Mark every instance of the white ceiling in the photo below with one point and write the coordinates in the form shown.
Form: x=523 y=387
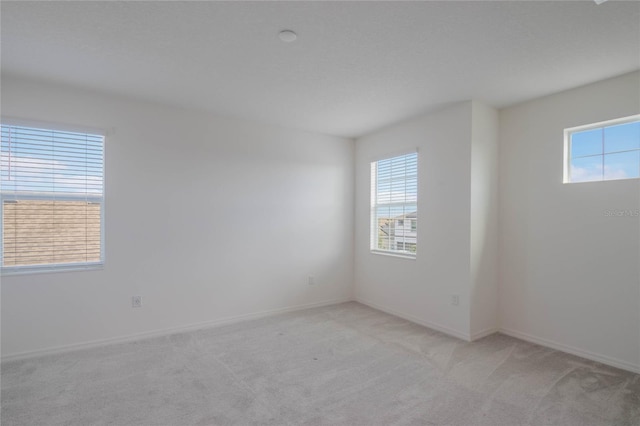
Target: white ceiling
x=356 y=66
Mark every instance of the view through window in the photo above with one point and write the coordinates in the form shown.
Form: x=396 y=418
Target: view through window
x=52 y=193
x=603 y=151
x=394 y=205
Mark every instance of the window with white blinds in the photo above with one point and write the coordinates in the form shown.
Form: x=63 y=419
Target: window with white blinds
x=394 y=205
x=52 y=194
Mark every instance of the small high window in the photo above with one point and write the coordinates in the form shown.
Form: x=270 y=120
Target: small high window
x=603 y=151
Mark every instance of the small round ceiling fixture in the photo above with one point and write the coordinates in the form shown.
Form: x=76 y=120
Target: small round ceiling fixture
x=287 y=36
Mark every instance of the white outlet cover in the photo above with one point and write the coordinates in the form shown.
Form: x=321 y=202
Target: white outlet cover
x=136 y=301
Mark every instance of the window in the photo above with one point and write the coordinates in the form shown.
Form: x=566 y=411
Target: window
x=603 y=151
x=51 y=191
x=394 y=205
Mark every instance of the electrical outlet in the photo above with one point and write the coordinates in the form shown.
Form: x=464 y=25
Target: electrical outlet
x=136 y=301
x=312 y=280
x=455 y=299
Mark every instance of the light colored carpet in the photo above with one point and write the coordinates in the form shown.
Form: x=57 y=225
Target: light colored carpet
x=345 y=364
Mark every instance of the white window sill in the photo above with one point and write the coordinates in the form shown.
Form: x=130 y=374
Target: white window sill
x=47 y=269
x=394 y=254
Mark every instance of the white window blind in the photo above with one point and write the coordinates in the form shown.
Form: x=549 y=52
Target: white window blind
x=394 y=205
x=52 y=193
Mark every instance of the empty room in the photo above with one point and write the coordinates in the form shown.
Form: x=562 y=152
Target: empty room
x=320 y=213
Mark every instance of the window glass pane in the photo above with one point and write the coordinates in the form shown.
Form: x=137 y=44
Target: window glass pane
x=40 y=232
x=586 y=169
x=412 y=190
x=623 y=137
x=394 y=196
x=384 y=227
x=623 y=165
x=51 y=186
x=585 y=143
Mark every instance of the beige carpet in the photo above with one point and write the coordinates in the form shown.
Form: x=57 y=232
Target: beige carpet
x=339 y=365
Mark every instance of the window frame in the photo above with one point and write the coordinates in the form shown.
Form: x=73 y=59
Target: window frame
x=568 y=132
x=57 y=196
x=373 y=246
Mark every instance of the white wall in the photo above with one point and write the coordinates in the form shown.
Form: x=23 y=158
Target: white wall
x=210 y=218
x=206 y=218
x=484 y=221
x=569 y=274
x=421 y=289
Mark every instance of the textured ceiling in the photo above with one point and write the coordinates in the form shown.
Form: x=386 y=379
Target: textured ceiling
x=356 y=66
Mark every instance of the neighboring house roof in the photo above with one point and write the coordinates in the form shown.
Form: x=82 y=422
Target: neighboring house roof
x=412 y=215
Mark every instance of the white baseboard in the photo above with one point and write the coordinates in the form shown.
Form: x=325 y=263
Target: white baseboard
x=428 y=324
x=634 y=368
x=624 y=365
x=166 y=331
x=484 y=333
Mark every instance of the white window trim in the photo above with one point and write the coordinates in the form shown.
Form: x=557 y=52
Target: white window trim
x=60 y=127
x=566 y=177
x=393 y=254
x=373 y=249
x=62 y=267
